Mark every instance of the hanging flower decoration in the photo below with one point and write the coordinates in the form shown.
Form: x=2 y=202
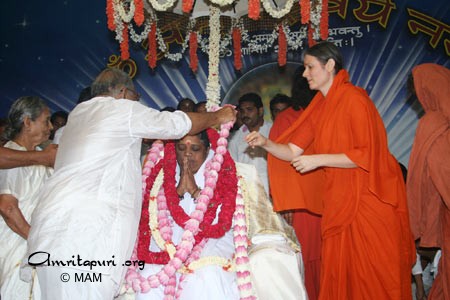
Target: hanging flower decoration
x=237 y=48
x=311 y=41
x=125 y=16
x=139 y=12
x=110 y=15
x=282 y=46
x=187 y=5
x=212 y=86
x=162 y=7
x=305 y=11
x=253 y=9
x=152 y=51
x=277 y=13
x=124 y=50
x=324 y=21
x=193 y=51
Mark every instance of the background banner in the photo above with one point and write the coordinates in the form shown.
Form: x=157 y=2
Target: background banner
x=55 y=49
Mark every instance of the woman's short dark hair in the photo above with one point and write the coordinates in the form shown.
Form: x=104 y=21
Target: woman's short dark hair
x=324 y=51
x=27 y=106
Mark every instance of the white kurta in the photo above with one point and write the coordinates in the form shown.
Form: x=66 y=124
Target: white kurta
x=24 y=184
x=243 y=153
x=90 y=207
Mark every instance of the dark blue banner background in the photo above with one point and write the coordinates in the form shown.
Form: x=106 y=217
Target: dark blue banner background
x=54 y=49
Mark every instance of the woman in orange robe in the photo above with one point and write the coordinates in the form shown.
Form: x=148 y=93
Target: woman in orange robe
x=367 y=246
x=429 y=170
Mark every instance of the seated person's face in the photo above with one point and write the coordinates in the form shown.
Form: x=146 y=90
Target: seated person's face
x=191 y=151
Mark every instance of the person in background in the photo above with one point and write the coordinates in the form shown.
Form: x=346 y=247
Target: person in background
x=3 y=124
x=200 y=107
x=90 y=206
x=28 y=126
x=186 y=105
x=279 y=103
x=305 y=222
x=429 y=170
x=365 y=222
x=251 y=111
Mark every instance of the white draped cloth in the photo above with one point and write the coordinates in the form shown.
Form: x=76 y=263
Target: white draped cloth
x=91 y=205
x=24 y=184
x=275 y=264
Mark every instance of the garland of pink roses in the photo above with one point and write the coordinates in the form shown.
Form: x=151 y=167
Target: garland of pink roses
x=186 y=249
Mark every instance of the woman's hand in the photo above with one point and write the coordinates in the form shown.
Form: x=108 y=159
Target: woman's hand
x=187 y=182
x=306 y=163
x=255 y=138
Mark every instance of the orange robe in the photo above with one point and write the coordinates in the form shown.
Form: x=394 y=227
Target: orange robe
x=306 y=224
x=429 y=170
x=367 y=246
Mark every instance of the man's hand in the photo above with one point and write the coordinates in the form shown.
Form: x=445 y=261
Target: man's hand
x=226 y=114
x=48 y=155
x=255 y=138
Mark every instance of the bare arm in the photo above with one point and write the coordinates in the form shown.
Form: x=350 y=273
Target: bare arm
x=10 y=211
x=282 y=151
x=305 y=163
x=202 y=121
x=13 y=158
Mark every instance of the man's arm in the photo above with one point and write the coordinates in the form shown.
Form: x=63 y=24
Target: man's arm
x=13 y=158
x=202 y=121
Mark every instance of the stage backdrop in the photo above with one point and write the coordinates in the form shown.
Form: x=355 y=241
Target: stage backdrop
x=55 y=49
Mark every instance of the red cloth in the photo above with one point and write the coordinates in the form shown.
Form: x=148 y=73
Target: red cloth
x=305 y=224
x=429 y=170
x=367 y=246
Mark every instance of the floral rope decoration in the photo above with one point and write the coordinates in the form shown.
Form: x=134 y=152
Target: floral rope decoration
x=118 y=7
x=139 y=12
x=282 y=46
x=152 y=51
x=187 y=5
x=324 y=20
x=110 y=15
x=212 y=86
x=305 y=11
x=254 y=7
x=124 y=45
x=193 y=59
x=237 y=48
x=277 y=13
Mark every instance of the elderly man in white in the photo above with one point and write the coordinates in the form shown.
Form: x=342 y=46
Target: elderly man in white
x=85 y=224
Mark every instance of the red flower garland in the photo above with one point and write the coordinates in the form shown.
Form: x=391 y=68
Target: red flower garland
x=193 y=51
x=224 y=194
x=305 y=11
x=324 y=20
x=187 y=6
x=152 y=46
x=124 y=47
x=253 y=9
x=110 y=15
x=311 y=41
x=139 y=12
x=282 y=46
x=237 y=49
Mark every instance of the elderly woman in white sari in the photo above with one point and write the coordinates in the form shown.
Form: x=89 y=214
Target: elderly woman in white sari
x=216 y=268
x=29 y=125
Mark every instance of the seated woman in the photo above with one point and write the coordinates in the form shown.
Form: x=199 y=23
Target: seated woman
x=205 y=255
x=29 y=125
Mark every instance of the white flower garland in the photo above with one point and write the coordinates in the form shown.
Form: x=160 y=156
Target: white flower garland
x=119 y=26
x=277 y=13
x=162 y=7
x=213 y=86
x=222 y=2
x=137 y=38
x=126 y=17
x=176 y=56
